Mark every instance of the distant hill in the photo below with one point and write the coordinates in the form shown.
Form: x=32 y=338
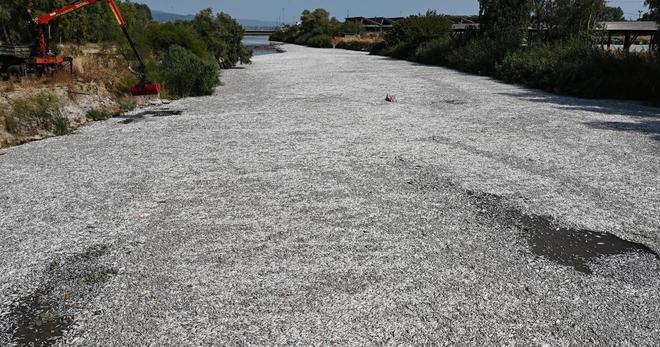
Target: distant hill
x=161 y=16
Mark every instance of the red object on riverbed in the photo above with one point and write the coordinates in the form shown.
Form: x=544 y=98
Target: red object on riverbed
x=390 y=98
x=145 y=88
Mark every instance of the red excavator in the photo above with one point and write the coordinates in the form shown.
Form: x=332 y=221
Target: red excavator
x=44 y=60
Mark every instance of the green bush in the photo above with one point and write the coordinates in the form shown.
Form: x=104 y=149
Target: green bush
x=162 y=36
x=185 y=74
x=123 y=84
x=61 y=126
x=406 y=37
x=577 y=68
x=224 y=37
x=433 y=52
x=39 y=112
x=98 y=114
x=356 y=45
x=301 y=39
x=127 y=103
x=477 y=56
x=279 y=36
x=42 y=105
x=401 y=50
x=419 y=29
x=320 y=41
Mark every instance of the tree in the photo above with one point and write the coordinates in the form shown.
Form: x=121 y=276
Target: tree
x=91 y=24
x=505 y=21
x=418 y=29
x=654 y=10
x=613 y=14
x=224 y=36
x=5 y=17
x=563 y=19
x=315 y=22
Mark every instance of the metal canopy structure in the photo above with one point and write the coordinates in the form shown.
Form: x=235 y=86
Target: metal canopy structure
x=631 y=31
x=374 y=24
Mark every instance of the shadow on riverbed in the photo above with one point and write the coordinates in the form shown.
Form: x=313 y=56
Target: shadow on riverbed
x=614 y=107
x=646 y=118
x=130 y=118
x=643 y=127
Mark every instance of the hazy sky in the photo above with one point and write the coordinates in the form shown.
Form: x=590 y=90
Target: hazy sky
x=273 y=9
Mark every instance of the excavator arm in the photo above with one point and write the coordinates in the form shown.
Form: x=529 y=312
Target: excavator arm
x=144 y=87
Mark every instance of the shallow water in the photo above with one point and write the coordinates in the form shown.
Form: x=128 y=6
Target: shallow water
x=572 y=247
x=259 y=44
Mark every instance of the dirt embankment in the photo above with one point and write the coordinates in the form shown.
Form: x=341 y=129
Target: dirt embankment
x=74 y=101
x=33 y=109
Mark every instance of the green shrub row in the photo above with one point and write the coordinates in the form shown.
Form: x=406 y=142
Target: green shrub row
x=571 y=67
x=356 y=45
x=183 y=73
x=580 y=69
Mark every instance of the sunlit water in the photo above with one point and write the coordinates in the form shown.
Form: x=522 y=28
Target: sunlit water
x=259 y=44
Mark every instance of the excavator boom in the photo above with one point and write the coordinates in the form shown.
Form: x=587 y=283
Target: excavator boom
x=144 y=87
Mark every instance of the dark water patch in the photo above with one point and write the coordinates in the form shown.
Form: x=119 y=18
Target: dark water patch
x=43 y=316
x=565 y=246
x=126 y=121
x=573 y=247
x=266 y=50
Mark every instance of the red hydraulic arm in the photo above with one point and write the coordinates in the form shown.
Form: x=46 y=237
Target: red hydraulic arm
x=143 y=88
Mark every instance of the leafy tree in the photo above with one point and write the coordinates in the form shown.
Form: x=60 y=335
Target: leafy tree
x=419 y=28
x=565 y=19
x=91 y=24
x=224 y=36
x=612 y=14
x=162 y=36
x=654 y=10
x=505 y=21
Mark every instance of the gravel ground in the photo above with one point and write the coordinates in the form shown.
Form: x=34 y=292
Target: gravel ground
x=296 y=206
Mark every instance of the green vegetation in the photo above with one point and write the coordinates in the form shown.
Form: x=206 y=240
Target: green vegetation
x=406 y=37
x=213 y=39
x=61 y=125
x=316 y=29
x=98 y=114
x=654 y=10
x=201 y=77
x=127 y=103
x=564 y=59
x=223 y=35
x=31 y=114
x=320 y=41
x=578 y=68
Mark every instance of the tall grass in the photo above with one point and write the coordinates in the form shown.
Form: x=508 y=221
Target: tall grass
x=30 y=115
